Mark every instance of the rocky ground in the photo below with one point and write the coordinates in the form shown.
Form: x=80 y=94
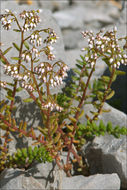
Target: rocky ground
x=106 y=156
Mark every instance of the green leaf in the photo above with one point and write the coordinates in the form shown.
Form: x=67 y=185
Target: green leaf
x=16 y=46
x=72 y=119
x=76 y=71
x=81 y=114
x=19 y=152
x=114 y=77
x=35 y=151
x=118 y=72
x=105 y=79
x=28 y=100
x=44 y=131
x=35 y=61
x=10 y=98
x=2 y=60
x=7 y=50
x=10 y=84
x=26 y=45
x=15 y=58
x=19 y=89
x=3 y=108
x=16 y=30
x=30 y=150
x=24 y=152
x=110 y=95
x=109 y=127
x=9 y=92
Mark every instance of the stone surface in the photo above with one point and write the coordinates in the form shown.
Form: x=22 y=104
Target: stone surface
x=12 y=179
x=77 y=15
x=18 y=179
x=115 y=116
x=99 y=181
x=107 y=155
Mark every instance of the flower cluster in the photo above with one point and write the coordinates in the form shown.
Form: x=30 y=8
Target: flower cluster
x=31 y=19
x=52 y=37
x=3 y=84
x=36 y=39
x=46 y=72
x=6 y=23
x=11 y=70
x=48 y=52
x=26 y=56
x=27 y=86
x=52 y=106
x=106 y=44
x=35 y=52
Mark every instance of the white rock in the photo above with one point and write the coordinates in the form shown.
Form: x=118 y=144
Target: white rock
x=99 y=181
x=11 y=179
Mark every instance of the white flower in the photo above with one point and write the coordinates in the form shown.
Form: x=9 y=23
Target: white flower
x=92 y=64
x=28 y=58
x=109 y=51
x=42 y=64
x=26 y=25
x=51 y=81
x=44 y=78
x=3 y=19
x=7 y=11
x=122 y=61
x=32 y=36
x=51 y=48
x=90 y=46
x=35 y=36
x=25 y=77
x=111 y=60
x=86 y=58
x=27 y=14
x=15 y=68
x=40 y=10
x=9 y=21
x=115 y=29
x=31 y=24
x=42 y=70
x=118 y=63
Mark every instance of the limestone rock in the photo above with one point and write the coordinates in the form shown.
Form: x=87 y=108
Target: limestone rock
x=16 y=178
x=99 y=181
x=78 y=15
x=107 y=155
x=11 y=179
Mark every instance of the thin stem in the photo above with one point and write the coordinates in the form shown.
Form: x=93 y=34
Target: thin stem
x=35 y=81
x=77 y=113
x=12 y=127
x=16 y=21
x=19 y=62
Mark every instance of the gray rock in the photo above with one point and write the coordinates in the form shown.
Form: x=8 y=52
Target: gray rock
x=99 y=181
x=115 y=116
x=73 y=55
x=52 y=5
x=17 y=179
x=77 y=15
x=67 y=19
x=107 y=155
x=72 y=38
